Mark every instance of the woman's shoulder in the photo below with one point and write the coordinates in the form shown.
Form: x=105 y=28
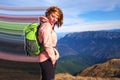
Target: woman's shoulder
x=45 y=27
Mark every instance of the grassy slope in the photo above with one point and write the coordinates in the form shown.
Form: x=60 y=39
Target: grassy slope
x=67 y=76
x=110 y=68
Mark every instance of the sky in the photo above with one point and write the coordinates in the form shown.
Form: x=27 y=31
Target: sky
x=79 y=15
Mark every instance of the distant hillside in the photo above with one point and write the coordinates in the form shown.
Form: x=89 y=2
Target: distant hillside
x=66 y=50
x=113 y=30
x=111 y=68
x=61 y=35
x=102 y=45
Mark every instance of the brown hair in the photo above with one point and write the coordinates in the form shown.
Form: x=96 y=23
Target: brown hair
x=55 y=9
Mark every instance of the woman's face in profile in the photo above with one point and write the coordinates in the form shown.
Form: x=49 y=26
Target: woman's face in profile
x=53 y=18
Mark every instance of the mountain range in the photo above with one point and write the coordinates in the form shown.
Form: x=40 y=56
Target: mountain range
x=80 y=50
x=102 y=45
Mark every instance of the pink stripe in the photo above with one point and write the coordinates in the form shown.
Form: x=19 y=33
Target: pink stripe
x=15 y=57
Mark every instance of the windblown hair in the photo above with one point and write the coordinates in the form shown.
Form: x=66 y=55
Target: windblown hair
x=55 y=9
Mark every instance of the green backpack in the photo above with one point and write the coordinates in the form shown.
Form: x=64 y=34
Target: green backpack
x=32 y=45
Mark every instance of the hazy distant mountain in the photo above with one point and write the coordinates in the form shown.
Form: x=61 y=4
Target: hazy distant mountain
x=110 y=68
x=113 y=30
x=66 y=50
x=61 y=35
x=102 y=45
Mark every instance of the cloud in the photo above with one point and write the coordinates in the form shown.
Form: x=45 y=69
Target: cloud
x=70 y=7
x=101 y=25
x=73 y=9
x=86 y=5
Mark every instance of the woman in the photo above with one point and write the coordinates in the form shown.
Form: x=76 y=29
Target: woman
x=48 y=38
